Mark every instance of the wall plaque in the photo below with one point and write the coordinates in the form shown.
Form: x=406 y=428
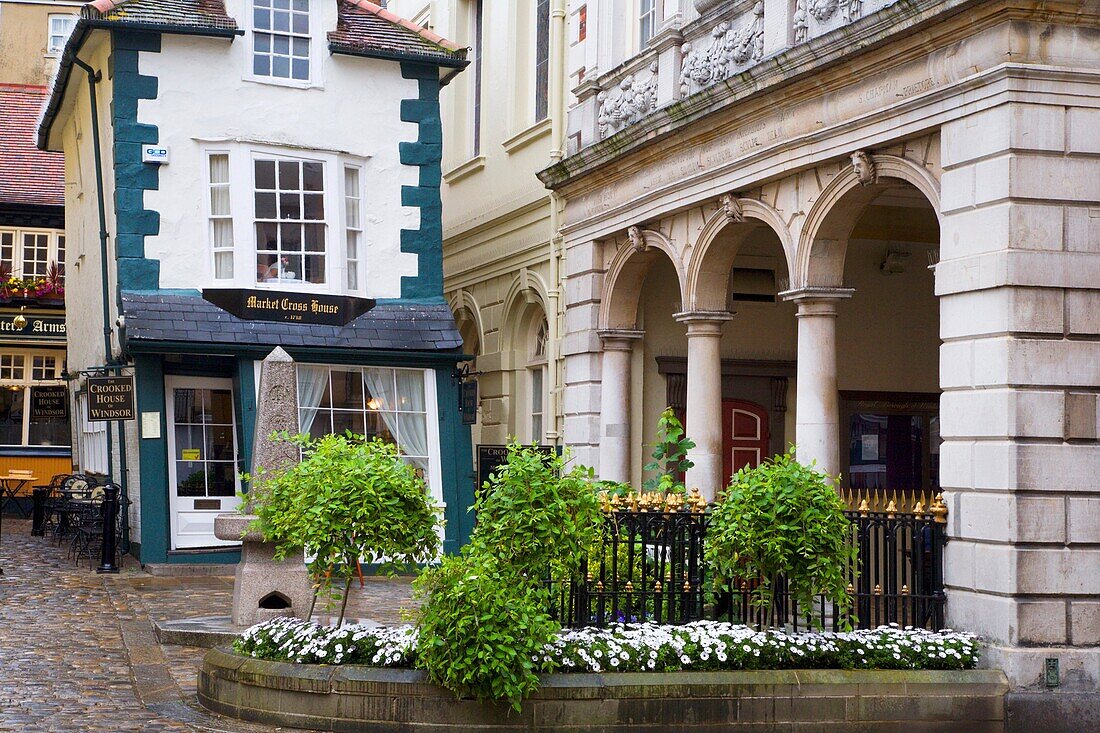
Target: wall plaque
x=267 y=305
x=111 y=398
x=50 y=403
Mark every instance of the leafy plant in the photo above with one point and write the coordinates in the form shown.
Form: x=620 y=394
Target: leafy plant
x=482 y=629
x=347 y=499
x=485 y=614
x=669 y=455
x=536 y=515
x=781 y=518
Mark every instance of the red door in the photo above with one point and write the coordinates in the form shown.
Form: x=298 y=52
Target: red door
x=744 y=435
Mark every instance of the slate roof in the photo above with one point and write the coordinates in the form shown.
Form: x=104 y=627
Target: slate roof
x=27 y=174
x=367 y=29
x=197 y=14
x=152 y=317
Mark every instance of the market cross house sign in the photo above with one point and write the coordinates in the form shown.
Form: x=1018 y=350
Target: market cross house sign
x=306 y=308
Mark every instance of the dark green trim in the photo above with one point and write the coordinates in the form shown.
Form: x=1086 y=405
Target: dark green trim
x=133 y=222
x=427 y=154
x=334 y=355
x=455 y=462
x=153 y=460
x=244 y=387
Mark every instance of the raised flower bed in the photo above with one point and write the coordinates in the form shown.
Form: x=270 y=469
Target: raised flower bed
x=717 y=676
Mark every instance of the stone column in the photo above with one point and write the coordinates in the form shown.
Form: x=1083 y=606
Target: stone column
x=618 y=348
x=817 y=405
x=704 y=399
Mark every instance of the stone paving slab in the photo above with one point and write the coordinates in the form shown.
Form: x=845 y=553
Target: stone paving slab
x=78 y=652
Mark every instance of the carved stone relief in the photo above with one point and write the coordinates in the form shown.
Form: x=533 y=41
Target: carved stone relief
x=630 y=102
x=801 y=23
x=822 y=10
x=705 y=63
x=864 y=167
x=851 y=10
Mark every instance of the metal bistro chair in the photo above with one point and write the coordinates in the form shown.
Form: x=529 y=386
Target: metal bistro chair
x=89 y=526
x=73 y=490
x=49 y=510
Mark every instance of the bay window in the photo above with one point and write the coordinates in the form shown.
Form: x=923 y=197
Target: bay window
x=396 y=405
x=283 y=221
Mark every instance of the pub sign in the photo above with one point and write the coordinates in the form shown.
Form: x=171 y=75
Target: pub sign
x=111 y=398
x=492 y=457
x=49 y=403
x=468 y=402
x=284 y=307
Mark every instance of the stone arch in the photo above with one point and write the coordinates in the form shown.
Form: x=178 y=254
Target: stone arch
x=526 y=295
x=824 y=239
x=708 y=270
x=622 y=287
x=467 y=313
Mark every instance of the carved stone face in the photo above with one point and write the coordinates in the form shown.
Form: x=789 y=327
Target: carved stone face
x=864 y=168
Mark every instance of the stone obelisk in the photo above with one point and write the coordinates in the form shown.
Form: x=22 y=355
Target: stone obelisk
x=265 y=587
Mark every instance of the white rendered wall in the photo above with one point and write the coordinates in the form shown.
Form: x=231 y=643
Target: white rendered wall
x=352 y=109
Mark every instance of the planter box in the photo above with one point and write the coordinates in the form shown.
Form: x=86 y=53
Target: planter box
x=355 y=698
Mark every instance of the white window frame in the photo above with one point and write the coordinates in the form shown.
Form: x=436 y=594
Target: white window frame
x=537 y=385
x=327 y=202
x=431 y=409
x=56 y=237
x=27 y=381
x=317 y=44
x=353 y=200
x=212 y=218
x=242 y=159
x=92 y=439
x=650 y=13
x=70 y=20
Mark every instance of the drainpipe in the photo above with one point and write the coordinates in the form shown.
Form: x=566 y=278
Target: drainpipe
x=557 y=152
x=93 y=79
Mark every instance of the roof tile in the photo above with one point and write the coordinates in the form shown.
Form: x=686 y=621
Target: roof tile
x=27 y=174
x=368 y=29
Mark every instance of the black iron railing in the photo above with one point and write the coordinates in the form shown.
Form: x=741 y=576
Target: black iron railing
x=648 y=566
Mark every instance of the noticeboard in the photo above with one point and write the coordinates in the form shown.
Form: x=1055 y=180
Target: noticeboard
x=111 y=398
x=491 y=457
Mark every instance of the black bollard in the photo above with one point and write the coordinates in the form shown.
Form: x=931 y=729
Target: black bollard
x=110 y=519
x=38 y=514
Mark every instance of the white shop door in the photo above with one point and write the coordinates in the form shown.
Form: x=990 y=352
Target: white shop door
x=202 y=458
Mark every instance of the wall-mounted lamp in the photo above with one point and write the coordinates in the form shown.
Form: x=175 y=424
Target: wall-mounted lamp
x=20 y=320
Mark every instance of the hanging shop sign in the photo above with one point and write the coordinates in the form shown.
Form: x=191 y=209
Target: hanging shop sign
x=468 y=402
x=492 y=457
x=38 y=328
x=49 y=403
x=306 y=308
x=111 y=398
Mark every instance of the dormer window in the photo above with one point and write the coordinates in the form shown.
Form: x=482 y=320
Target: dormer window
x=280 y=39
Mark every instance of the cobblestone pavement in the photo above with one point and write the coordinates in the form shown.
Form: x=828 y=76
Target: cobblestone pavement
x=77 y=650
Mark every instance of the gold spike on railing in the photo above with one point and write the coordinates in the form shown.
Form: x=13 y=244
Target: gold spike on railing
x=850 y=589
x=696 y=501
x=939 y=509
x=878 y=590
x=864 y=510
x=919 y=508
x=629 y=587
x=905 y=590
x=657 y=587
x=891 y=509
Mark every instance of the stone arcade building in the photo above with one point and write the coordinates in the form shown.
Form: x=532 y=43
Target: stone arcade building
x=871 y=229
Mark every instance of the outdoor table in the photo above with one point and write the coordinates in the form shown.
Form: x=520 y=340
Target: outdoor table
x=10 y=487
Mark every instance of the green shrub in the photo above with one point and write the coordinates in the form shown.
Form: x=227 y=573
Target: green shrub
x=482 y=629
x=348 y=498
x=535 y=515
x=781 y=518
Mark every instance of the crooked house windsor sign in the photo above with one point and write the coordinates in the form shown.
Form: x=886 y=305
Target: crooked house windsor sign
x=110 y=398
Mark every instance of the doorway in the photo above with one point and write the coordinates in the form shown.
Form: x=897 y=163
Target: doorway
x=745 y=435
x=202 y=458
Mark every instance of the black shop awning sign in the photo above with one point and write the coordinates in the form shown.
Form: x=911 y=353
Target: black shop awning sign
x=282 y=307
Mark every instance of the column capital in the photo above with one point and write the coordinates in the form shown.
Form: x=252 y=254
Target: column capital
x=817 y=301
x=703 y=323
x=619 y=339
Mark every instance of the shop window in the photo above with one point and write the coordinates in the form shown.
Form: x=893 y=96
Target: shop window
x=353 y=224
x=221 y=218
x=280 y=39
x=28 y=253
x=289 y=201
x=395 y=405
x=31 y=387
x=60 y=28
x=893 y=442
